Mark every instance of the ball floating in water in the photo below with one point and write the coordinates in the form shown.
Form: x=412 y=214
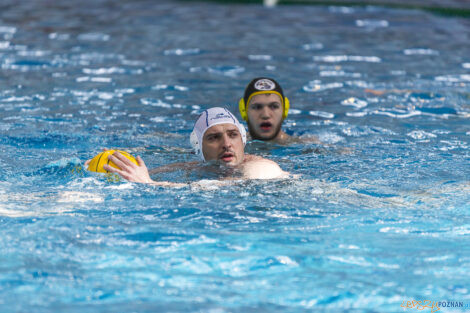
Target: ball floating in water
x=96 y=164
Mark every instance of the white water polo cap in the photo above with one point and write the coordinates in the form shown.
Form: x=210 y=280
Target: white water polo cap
x=209 y=118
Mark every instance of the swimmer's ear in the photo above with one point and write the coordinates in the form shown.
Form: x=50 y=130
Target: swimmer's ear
x=194 y=142
x=286 y=107
x=242 y=108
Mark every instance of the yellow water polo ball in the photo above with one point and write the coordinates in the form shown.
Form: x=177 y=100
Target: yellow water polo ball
x=96 y=164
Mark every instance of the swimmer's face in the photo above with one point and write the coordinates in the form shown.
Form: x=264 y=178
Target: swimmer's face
x=265 y=116
x=224 y=144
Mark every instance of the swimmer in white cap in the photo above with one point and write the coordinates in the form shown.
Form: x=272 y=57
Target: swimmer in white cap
x=217 y=137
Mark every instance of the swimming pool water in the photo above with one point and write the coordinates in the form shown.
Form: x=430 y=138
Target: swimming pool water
x=379 y=215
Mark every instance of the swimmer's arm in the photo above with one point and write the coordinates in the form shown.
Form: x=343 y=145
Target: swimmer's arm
x=135 y=173
x=174 y=167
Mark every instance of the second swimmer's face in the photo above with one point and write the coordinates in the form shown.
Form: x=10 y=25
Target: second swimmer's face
x=223 y=143
x=265 y=116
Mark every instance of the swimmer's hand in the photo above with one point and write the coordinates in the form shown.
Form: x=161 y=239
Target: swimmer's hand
x=128 y=170
x=134 y=173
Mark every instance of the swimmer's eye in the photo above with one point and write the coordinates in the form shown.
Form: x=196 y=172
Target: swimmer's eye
x=212 y=137
x=256 y=106
x=233 y=134
x=272 y=106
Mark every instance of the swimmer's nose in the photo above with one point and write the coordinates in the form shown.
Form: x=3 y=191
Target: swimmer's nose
x=226 y=142
x=265 y=113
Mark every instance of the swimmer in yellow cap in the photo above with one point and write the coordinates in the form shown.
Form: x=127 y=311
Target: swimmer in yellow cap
x=265 y=107
x=217 y=137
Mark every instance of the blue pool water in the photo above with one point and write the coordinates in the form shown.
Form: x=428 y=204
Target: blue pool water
x=379 y=215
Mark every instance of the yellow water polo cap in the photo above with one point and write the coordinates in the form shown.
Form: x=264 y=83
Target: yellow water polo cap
x=262 y=85
x=96 y=164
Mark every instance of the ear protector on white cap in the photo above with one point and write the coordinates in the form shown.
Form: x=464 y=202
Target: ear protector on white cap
x=209 y=118
x=195 y=142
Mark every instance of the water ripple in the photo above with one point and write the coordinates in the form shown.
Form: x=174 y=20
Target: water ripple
x=58 y=36
x=260 y=57
x=347 y=58
x=182 y=52
x=341 y=9
x=453 y=78
x=93 y=79
x=8 y=29
x=339 y=74
x=357 y=103
x=420 y=135
x=155 y=103
x=321 y=114
x=4 y=45
x=420 y=52
x=170 y=87
x=312 y=46
x=372 y=23
x=397 y=113
x=317 y=86
x=230 y=71
x=103 y=71
x=94 y=37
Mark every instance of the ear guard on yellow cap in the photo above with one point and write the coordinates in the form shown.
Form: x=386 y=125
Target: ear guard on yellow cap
x=244 y=115
x=96 y=164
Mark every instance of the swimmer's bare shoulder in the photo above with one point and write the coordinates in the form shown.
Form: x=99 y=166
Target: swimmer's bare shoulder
x=255 y=167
